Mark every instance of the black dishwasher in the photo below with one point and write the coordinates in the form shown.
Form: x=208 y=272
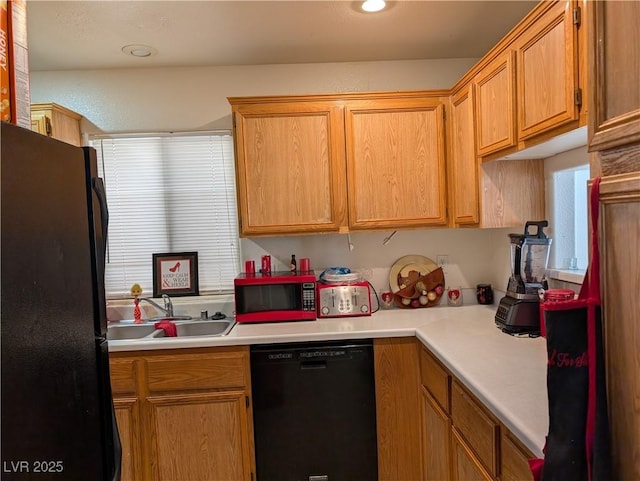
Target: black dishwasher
x=314 y=411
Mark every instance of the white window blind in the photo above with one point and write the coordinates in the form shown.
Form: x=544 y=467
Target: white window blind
x=173 y=193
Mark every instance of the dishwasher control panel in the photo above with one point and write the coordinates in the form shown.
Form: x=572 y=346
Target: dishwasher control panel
x=343 y=300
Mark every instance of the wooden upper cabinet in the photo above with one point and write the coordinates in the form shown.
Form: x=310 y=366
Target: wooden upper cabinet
x=614 y=67
x=495 y=105
x=395 y=162
x=463 y=164
x=547 y=72
x=290 y=167
x=56 y=121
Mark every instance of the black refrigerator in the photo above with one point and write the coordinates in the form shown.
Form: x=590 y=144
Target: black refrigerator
x=57 y=411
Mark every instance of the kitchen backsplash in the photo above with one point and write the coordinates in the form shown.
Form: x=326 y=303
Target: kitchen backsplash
x=474 y=256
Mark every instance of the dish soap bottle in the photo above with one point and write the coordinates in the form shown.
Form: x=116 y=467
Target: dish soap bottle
x=293 y=265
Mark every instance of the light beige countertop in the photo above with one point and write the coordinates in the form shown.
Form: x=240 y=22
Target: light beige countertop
x=506 y=373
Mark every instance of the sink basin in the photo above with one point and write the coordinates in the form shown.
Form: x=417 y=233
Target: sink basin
x=184 y=328
x=117 y=332
x=204 y=328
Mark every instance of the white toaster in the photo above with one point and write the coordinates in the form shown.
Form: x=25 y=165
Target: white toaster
x=343 y=300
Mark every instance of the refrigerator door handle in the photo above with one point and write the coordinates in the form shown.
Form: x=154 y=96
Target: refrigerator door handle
x=98 y=188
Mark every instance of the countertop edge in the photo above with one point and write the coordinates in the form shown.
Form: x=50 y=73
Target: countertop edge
x=433 y=329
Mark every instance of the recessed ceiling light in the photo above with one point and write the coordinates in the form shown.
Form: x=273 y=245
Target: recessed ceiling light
x=373 y=5
x=139 y=50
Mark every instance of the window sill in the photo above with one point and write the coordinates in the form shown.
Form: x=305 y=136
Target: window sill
x=575 y=276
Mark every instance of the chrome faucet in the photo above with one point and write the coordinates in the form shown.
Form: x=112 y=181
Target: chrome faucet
x=168 y=305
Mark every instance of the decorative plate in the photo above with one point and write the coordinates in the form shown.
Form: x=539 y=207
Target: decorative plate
x=408 y=269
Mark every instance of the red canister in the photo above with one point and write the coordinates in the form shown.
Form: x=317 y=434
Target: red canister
x=266 y=264
x=554 y=295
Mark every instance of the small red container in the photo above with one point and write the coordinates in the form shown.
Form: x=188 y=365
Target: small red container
x=266 y=264
x=249 y=267
x=305 y=264
x=554 y=295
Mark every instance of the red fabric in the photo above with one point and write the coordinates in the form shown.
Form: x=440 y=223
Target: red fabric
x=588 y=298
x=536 y=468
x=168 y=327
x=591 y=288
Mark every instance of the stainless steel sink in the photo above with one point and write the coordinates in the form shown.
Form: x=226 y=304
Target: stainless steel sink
x=118 y=332
x=204 y=328
x=184 y=328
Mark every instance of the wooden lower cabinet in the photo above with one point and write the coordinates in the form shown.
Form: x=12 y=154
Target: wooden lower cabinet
x=465 y=465
x=514 y=459
x=199 y=437
x=476 y=426
x=397 y=408
x=184 y=414
x=620 y=277
x=436 y=440
x=127 y=418
x=461 y=439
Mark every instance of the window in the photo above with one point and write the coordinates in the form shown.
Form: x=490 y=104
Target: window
x=169 y=193
x=570 y=244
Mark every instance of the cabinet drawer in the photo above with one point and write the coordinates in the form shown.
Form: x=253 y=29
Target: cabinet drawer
x=123 y=376
x=435 y=379
x=220 y=370
x=514 y=460
x=476 y=426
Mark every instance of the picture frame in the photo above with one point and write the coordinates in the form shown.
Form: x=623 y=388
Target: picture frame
x=175 y=274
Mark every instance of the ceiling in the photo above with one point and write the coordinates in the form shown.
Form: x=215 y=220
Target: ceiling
x=78 y=35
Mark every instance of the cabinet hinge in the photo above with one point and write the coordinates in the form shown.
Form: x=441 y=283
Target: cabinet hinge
x=47 y=126
x=577 y=97
x=246 y=401
x=577 y=16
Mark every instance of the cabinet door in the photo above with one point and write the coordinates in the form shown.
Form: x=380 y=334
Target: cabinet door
x=473 y=422
x=127 y=408
x=395 y=163
x=465 y=465
x=436 y=434
x=614 y=74
x=397 y=408
x=290 y=168
x=620 y=229
x=547 y=66
x=495 y=105
x=200 y=437
x=464 y=162
x=514 y=462
x=128 y=420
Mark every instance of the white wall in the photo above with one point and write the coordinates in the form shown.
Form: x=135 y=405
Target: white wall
x=195 y=98
x=162 y=99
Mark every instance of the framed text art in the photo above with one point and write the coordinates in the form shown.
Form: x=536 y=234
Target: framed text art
x=175 y=274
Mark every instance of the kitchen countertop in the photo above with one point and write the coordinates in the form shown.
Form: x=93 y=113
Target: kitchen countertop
x=506 y=373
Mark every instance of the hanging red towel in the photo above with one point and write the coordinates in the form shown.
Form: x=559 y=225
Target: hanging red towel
x=168 y=327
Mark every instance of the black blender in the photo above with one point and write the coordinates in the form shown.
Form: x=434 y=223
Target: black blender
x=519 y=311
